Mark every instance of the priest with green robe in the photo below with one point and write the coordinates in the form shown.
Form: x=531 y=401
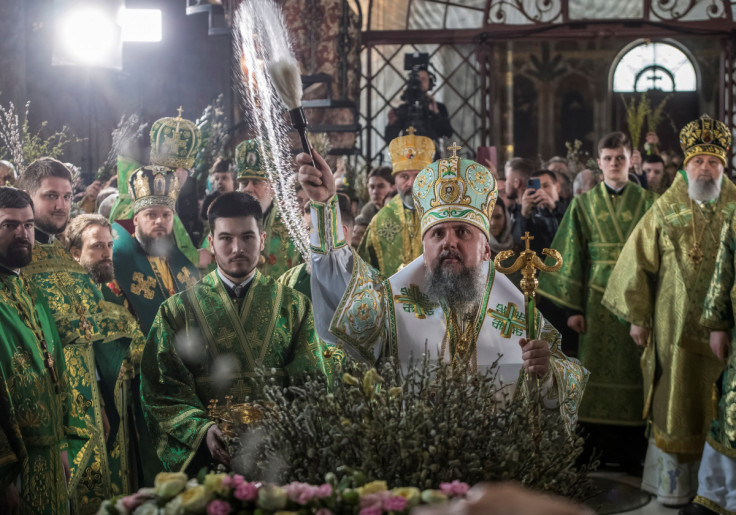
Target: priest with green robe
x=717 y=474
x=209 y=341
x=89 y=240
x=279 y=252
x=149 y=267
x=590 y=238
x=86 y=327
x=174 y=144
x=393 y=238
x=32 y=375
x=658 y=286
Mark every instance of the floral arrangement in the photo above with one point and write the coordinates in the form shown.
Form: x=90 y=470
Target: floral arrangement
x=222 y=494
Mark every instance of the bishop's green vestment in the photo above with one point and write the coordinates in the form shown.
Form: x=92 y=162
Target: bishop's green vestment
x=122 y=209
x=719 y=314
x=272 y=326
x=93 y=336
x=393 y=238
x=31 y=409
x=656 y=285
x=717 y=473
x=144 y=287
x=590 y=238
x=279 y=253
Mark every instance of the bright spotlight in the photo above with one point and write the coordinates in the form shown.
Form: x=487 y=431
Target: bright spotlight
x=141 y=24
x=88 y=36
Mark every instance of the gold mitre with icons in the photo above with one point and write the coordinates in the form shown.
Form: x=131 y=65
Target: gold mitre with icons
x=153 y=185
x=455 y=190
x=174 y=142
x=705 y=136
x=251 y=160
x=410 y=152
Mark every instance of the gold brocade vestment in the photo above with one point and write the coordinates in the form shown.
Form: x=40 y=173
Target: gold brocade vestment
x=657 y=285
x=393 y=238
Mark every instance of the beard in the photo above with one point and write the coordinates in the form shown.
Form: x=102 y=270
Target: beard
x=461 y=289
x=704 y=190
x=50 y=224
x=407 y=198
x=18 y=254
x=101 y=272
x=157 y=246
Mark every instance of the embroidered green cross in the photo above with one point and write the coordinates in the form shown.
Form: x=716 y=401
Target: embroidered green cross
x=508 y=320
x=677 y=217
x=414 y=301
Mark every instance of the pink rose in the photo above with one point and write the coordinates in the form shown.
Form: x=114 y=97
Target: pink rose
x=131 y=502
x=368 y=500
x=324 y=490
x=218 y=507
x=370 y=510
x=456 y=488
x=246 y=491
x=394 y=504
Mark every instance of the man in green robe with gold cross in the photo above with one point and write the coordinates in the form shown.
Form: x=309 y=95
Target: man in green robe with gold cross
x=590 y=238
x=393 y=238
x=32 y=374
x=149 y=267
x=659 y=285
x=86 y=327
x=209 y=341
x=174 y=144
x=279 y=253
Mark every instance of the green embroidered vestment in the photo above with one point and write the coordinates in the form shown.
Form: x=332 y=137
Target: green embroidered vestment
x=272 y=327
x=279 y=253
x=590 y=238
x=656 y=285
x=32 y=412
x=87 y=330
x=719 y=313
x=393 y=238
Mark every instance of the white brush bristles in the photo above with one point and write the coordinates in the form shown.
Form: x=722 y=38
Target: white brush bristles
x=288 y=82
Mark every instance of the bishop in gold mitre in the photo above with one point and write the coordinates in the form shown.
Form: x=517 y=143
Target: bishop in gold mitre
x=658 y=286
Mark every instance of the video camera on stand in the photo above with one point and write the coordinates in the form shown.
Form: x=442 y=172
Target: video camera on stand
x=417 y=101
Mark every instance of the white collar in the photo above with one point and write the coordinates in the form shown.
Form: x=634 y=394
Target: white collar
x=231 y=284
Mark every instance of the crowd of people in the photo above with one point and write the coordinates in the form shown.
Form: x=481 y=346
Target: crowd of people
x=122 y=326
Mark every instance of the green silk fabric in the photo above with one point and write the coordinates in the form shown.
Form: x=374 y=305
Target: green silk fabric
x=719 y=313
x=656 y=285
x=272 y=327
x=32 y=414
x=135 y=276
x=88 y=330
x=590 y=238
x=393 y=238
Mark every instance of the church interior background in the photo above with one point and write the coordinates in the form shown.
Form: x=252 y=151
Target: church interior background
x=525 y=77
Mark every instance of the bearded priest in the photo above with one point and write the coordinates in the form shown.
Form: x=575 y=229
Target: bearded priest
x=659 y=285
x=449 y=301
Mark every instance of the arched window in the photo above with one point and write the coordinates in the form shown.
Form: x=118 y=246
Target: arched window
x=659 y=66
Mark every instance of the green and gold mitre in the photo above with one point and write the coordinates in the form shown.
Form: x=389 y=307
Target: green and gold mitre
x=705 y=136
x=153 y=186
x=174 y=142
x=455 y=190
x=249 y=158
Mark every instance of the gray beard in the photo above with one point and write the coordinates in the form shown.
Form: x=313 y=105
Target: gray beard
x=407 y=198
x=462 y=291
x=157 y=247
x=704 y=190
